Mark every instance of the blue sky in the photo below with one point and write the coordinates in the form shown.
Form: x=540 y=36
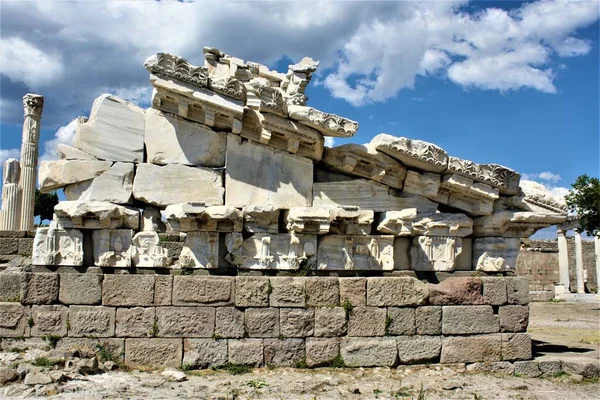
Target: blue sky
x=513 y=83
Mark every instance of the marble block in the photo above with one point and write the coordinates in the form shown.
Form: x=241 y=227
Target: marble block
x=534 y=196
x=435 y=253
x=200 y=250
x=497 y=176
x=95 y=215
x=326 y=123
x=57 y=174
x=114 y=185
x=495 y=254
x=193 y=216
x=409 y=223
x=413 y=153
x=112 y=247
x=310 y=220
x=517 y=224
x=66 y=152
x=261 y=219
x=266 y=98
x=147 y=252
x=474 y=198
x=56 y=246
x=426 y=184
x=152 y=220
x=356 y=252
x=350 y=220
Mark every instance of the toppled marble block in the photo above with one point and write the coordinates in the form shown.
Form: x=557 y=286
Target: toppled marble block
x=310 y=220
x=426 y=185
x=194 y=216
x=409 y=223
x=170 y=139
x=495 y=254
x=327 y=124
x=66 y=152
x=112 y=247
x=282 y=134
x=176 y=183
x=473 y=198
x=535 y=197
x=54 y=175
x=351 y=220
x=365 y=162
x=95 y=215
x=435 y=253
x=56 y=246
x=413 y=153
x=262 y=175
x=261 y=219
x=114 y=185
x=494 y=175
x=147 y=252
x=283 y=251
x=114 y=131
x=398 y=223
x=517 y=224
x=356 y=253
x=200 y=250
x=152 y=220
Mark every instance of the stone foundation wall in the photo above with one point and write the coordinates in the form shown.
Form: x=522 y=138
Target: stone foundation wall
x=589 y=264
x=14 y=244
x=203 y=321
x=539 y=263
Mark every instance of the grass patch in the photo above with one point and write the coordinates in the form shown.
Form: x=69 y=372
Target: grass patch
x=186 y=367
x=257 y=384
x=45 y=362
x=421 y=394
x=30 y=322
x=234 y=369
x=388 y=323
x=301 y=363
x=348 y=307
x=338 y=362
x=154 y=329
x=52 y=340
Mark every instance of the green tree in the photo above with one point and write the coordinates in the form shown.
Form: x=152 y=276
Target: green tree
x=44 y=204
x=584 y=200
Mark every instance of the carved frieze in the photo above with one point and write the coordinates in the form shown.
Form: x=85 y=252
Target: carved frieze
x=56 y=246
x=473 y=198
x=95 y=215
x=310 y=220
x=147 y=251
x=351 y=220
x=413 y=153
x=327 y=124
x=356 y=253
x=497 y=176
x=517 y=224
x=265 y=98
x=495 y=254
x=435 y=253
x=200 y=250
x=409 y=223
x=112 y=247
x=194 y=216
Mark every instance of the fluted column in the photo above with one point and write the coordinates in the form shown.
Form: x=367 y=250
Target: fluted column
x=33 y=104
x=579 y=263
x=10 y=217
x=563 y=259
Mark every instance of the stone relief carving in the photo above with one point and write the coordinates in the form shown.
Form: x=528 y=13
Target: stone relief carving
x=435 y=253
x=413 y=153
x=147 y=252
x=351 y=220
x=55 y=246
x=112 y=247
x=356 y=252
x=311 y=220
x=194 y=216
x=200 y=250
x=95 y=215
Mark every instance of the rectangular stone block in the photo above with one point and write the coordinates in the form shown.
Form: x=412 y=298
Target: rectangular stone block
x=287 y=292
x=330 y=322
x=517 y=290
x=322 y=291
x=85 y=289
x=369 y=352
x=283 y=352
x=185 y=321
x=356 y=252
x=49 y=320
x=494 y=290
x=9 y=246
x=262 y=322
x=163 y=288
x=204 y=353
x=428 y=320
x=203 y=290
x=392 y=291
x=456 y=291
x=516 y=346
x=252 y=291
x=513 y=318
x=91 y=321
x=115 y=347
x=495 y=254
x=13 y=320
x=321 y=352
x=418 y=349
x=468 y=320
x=467 y=349
x=135 y=322
x=128 y=290
x=246 y=352
x=157 y=353
x=10 y=286
x=39 y=288
x=55 y=246
x=367 y=321
x=527 y=369
x=354 y=291
x=296 y=322
x=200 y=250
x=229 y=323
x=400 y=321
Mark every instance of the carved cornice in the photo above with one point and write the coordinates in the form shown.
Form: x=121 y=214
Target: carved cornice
x=494 y=175
x=33 y=104
x=327 y=124
x=267 y=99
x=415 y=153
x=546 y=203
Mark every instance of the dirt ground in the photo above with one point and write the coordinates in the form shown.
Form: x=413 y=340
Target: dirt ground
x=560 y=330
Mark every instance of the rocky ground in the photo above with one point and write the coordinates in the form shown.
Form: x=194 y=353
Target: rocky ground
x=562 y=331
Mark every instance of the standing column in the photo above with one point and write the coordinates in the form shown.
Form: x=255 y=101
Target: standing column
x=563 y=259
x=579 y=263
x=597 y=248
x=33 y=104
x=10 y=218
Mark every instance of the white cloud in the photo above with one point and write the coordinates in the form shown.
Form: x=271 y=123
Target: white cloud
x=63 y=135
x=24 y=62
x=543 y=176
x=329 y=141
x=5 y=154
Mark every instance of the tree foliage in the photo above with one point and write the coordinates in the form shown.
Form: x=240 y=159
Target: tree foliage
x=44 y=204
x=584 y=200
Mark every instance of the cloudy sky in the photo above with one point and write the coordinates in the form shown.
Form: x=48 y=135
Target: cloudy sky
x=515 y=83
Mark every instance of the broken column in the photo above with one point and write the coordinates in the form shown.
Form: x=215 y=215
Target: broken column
x=10 y=217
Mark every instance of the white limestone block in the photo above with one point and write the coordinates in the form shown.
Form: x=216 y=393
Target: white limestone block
x=409 y=223
x=495 y=254
x=356 y=253
x=114 y=131
x=435 y=253
x=56 y=174
x=147 y=252
x=95 y=215
x=310 y=220
x=193 y=216
x=66 y=152
x=114 y=185
x=413 y=153
x=473 y=198
x=463 y=260
x=262 y=175
x=517 y=224
x=173 y=140
x=56 y=246
x=261 y=219
x=398 y=223
x=112 y=247
x=176 y=183
x=200 y=250
x=426 y=185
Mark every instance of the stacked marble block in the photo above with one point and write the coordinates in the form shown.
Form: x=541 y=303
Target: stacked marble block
x=235 y=160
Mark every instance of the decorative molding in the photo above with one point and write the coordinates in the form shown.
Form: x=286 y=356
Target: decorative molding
x=327 y=124
x=414 y=153
x=266 y=99
x=33 y=104
x=498 y=176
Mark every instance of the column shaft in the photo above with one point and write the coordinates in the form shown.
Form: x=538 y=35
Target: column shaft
x=579 y=263
x=563 y=259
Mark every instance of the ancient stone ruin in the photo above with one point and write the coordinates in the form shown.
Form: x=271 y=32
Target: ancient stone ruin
x=232 y=158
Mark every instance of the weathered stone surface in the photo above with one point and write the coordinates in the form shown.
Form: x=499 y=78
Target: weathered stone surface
x=96 y=215
x=369 y=352
x=534 y=196
x=409 y=223
x=66 y=152
x=194 y=216
x=435 y=253
x=265 y=176
x=513 y=318
x=413 y=153
x=517 y=290
x=116 y=347
x=288 y=292
x=55 y=246
x=527 y=369
x=515 y=224
x=261 y=219
x=494 y=175
x=466 y=320
x=13 y=319
x=9 y=246
x=49 y=320
x=354 y=291
x=322 y=291
x=262 y=322
x=91 y=321
x=114 y=185
x=37 y=378
x=473 y=198
x=283 y=352
x=39 y=288
x=173 y=140
x=550 y=368
x=516 y=346
x=151 y=220
x=456 y=291
x=80 y=289
x=327 y=124
x=175 y=183
x=252 y=291
x=163 y=289
x=417 y=349
x=57 y=174
x=284 y=251
x=246 y=352
x=499 y=367
x=392 y=291
x=146 y=251
x=321 y=351
x=367 y=321
x=134 y=322
x=10 y=286
x=330 y=322
x=204 y=353
x=428 y=320
x=200 y=250
x=356 y=252
x=351 y=220
x=128 y=290
x=309 y=220
x=400 y=321
x=471 y=349
x=296 y=322
x=185 y=321
x=203 y=290
x=229 y=323
x=153 y=352
x=494 y=290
